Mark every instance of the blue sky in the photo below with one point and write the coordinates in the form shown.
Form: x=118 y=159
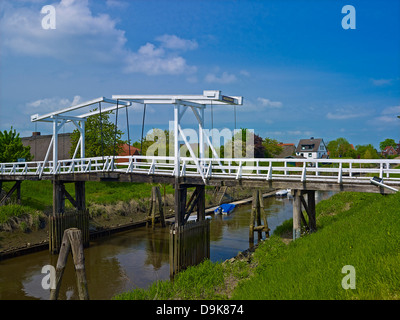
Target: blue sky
x=300 y=73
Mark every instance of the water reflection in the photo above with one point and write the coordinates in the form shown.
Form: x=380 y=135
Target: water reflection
x=133 y=259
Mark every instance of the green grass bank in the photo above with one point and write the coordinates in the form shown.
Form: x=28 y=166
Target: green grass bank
x=356 y=229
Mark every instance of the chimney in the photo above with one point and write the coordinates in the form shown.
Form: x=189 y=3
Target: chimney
x=312 y=138
x=34 y=134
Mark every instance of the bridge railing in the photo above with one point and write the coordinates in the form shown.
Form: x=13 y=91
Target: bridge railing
x=330 y=170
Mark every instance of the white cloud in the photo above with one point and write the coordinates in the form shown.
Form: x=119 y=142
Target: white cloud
x=387 y=119
x=261 y=104
x=78 y=35
x=347 y=113
x=47 y=105
x=268 y=103
x=117 y=4
x=151 y=60
x=381 y=82
x=173 y=42
x=392 y=110
x=81 y=36
x=224 y=78
x=300 y=133
x=388 y=116
x=297 y=133
x=342 y=116
x=245 y=73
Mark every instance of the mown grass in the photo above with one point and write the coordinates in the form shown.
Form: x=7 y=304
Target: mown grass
x=361 y=230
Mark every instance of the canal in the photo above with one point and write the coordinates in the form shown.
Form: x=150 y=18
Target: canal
x=135 y=258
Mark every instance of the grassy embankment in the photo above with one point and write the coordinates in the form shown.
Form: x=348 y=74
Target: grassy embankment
x=361 y=230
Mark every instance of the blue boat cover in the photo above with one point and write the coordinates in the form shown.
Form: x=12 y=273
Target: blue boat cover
x=226 y=207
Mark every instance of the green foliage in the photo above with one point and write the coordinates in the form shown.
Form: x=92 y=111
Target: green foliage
x=11 y=147
x=340 y=148
x=386 y=143
x=243 y=144
x=366 y=152
x=271 y=147
x=100 y=137
x=15 y=210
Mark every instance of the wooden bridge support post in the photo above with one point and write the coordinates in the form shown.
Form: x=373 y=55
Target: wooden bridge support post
x=155 y=202
x=180 y=204
x=311 y=211
x=257 y=211
x=60 y=221
x=298 y=216
x=58 y=197
x=189 y=241
x=16 y=187
x=201 y=203
x=82 y=221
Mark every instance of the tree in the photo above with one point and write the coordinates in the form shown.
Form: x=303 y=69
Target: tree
x=244 y=143
x=366 y=152
x=340 y=148
x=387 y=143
x=11 y=147
x=101 y=138
x=271 y=148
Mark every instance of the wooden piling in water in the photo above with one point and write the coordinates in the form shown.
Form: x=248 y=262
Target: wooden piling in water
x=72 y=241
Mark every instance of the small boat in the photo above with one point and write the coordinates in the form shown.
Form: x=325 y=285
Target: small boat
x=225 y=208
x=282 y=193
x=194 y=217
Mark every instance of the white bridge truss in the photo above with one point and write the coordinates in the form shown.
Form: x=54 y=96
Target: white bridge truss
x=181 y=103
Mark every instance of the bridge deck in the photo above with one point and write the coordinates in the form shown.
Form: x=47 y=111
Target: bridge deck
x=301 y=174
